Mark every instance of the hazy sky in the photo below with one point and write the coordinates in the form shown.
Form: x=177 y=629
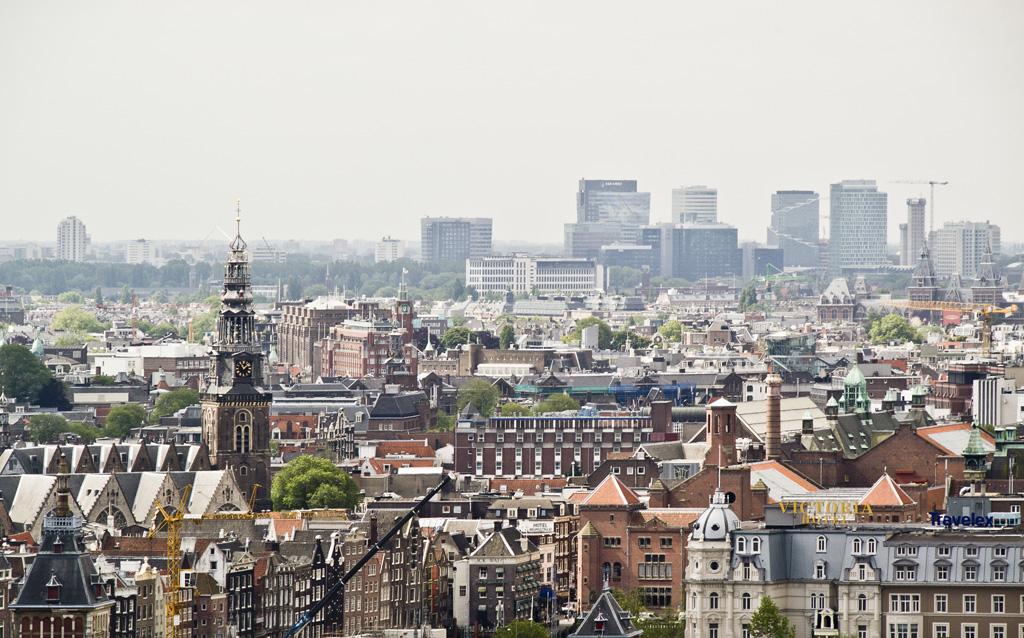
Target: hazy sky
x=354 y=119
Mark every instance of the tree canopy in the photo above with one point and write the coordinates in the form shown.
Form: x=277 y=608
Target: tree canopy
x=769 y=622
x=22 y=375
x=557 y=403
x=122 y=418
x=481 y=394
x=170 y=402
x=455 y=337
x=514 y=409
x=636 y=340
x=604 y=332
x=507 y=336
x=46 y=428
x=74 y=319
x=893 y=327
x=309 y=482
x=671 y=330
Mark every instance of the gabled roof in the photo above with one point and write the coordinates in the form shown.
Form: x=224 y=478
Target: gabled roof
x=954 y=437
x=611 y=492
x=606 y=619
x=780 y=480
x=885 y=493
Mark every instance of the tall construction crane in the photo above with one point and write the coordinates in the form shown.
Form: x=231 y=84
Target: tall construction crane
x=985 y=311
x=931 y=196
x=307 y=616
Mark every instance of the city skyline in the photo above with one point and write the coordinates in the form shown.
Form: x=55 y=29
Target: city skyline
x=157 y=153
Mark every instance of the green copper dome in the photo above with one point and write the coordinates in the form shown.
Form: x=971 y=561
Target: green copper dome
x=854 y=377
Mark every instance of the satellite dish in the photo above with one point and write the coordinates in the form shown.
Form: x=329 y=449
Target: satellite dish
x=730 y=497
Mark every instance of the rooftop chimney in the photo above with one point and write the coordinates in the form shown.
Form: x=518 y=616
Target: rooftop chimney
x=373 y=528
x=773 y=429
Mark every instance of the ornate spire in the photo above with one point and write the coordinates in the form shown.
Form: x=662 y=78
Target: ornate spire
x=238 y=244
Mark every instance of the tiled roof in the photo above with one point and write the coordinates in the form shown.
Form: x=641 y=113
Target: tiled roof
x=953 y=437
x=885 y=493
x=780 y=479
x=611 y=492
x=527 y=486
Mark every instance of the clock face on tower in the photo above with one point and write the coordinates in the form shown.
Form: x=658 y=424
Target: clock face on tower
x=243 y=369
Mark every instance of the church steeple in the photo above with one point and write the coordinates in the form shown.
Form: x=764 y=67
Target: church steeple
x=236 y=408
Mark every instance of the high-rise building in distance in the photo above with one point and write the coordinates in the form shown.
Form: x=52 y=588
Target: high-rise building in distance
x=607 y=212
x=858 y=224
x=912 y=239
x=694 y=205
x=695 y=251
x=958 y=247
x=795 y=227
x=139 y=251
x=387 y=249
x=72 y=240
x=454 y=238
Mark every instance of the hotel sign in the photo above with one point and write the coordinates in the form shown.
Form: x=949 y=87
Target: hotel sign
x=836 y=513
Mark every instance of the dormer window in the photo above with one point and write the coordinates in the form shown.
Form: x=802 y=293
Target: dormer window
x=822 y=545
x=872 y=546
x=755 y=545
x=53 y=587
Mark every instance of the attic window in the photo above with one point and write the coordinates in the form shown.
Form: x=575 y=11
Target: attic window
x=53 y=587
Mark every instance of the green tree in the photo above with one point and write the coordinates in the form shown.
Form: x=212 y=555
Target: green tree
x=126 y=295
x=444 y=423
x=769 y=622
x=103 y=379
x=316 y=290
x=71 y=340
x=74 y=319
x=455 y=337
x=635 y=340
x=893 y=327
x=312 y=482
x=170 y=402
x=748 y=297
x=98 y=296
x=45 y=428
x=507 y=336
x=123 y=418
x=604 y=332
x=557 y=403
x=71 y=296
x=457 y=289
x=22 y=376
x=481 y=394
x=514 y=409
x=659 y=627
x=522 y=629
x=53 y=394
x=671 y=330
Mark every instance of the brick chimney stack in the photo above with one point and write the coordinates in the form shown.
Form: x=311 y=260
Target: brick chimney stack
x=773 y=429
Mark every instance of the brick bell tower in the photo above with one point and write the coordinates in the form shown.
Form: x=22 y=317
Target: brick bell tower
x=236 y=408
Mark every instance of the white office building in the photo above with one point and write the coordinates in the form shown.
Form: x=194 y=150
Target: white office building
x=387 y=249
x=139 y=251
x=694 y=205
x=958 y=247
x=858 y=224
x=522 y=275
x=72 y=240
x=912 y=233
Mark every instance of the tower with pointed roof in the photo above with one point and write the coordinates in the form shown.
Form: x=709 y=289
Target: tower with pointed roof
x=988 y=287
x=855 y=392
x=62 y=594
x=235 y=406
x=925 y=287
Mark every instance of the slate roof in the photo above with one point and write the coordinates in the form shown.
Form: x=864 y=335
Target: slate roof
x=606 y=619
x=391 y=406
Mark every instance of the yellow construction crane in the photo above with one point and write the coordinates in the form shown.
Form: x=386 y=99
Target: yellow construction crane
x=985 y=311
x=172 y=522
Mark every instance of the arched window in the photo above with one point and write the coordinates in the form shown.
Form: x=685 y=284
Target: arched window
x=755 y=545
x=617 y=571
x=713 y=601
x=872 y=544
x=858 y=546
x=822 y=544
x=243 y=438
x=745 y=602
x=862 y=603
x=741 y=544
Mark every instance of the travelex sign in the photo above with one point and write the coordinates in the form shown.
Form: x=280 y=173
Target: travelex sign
x=942 y=519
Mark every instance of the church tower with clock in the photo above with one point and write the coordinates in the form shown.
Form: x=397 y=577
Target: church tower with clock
x=235 y=406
